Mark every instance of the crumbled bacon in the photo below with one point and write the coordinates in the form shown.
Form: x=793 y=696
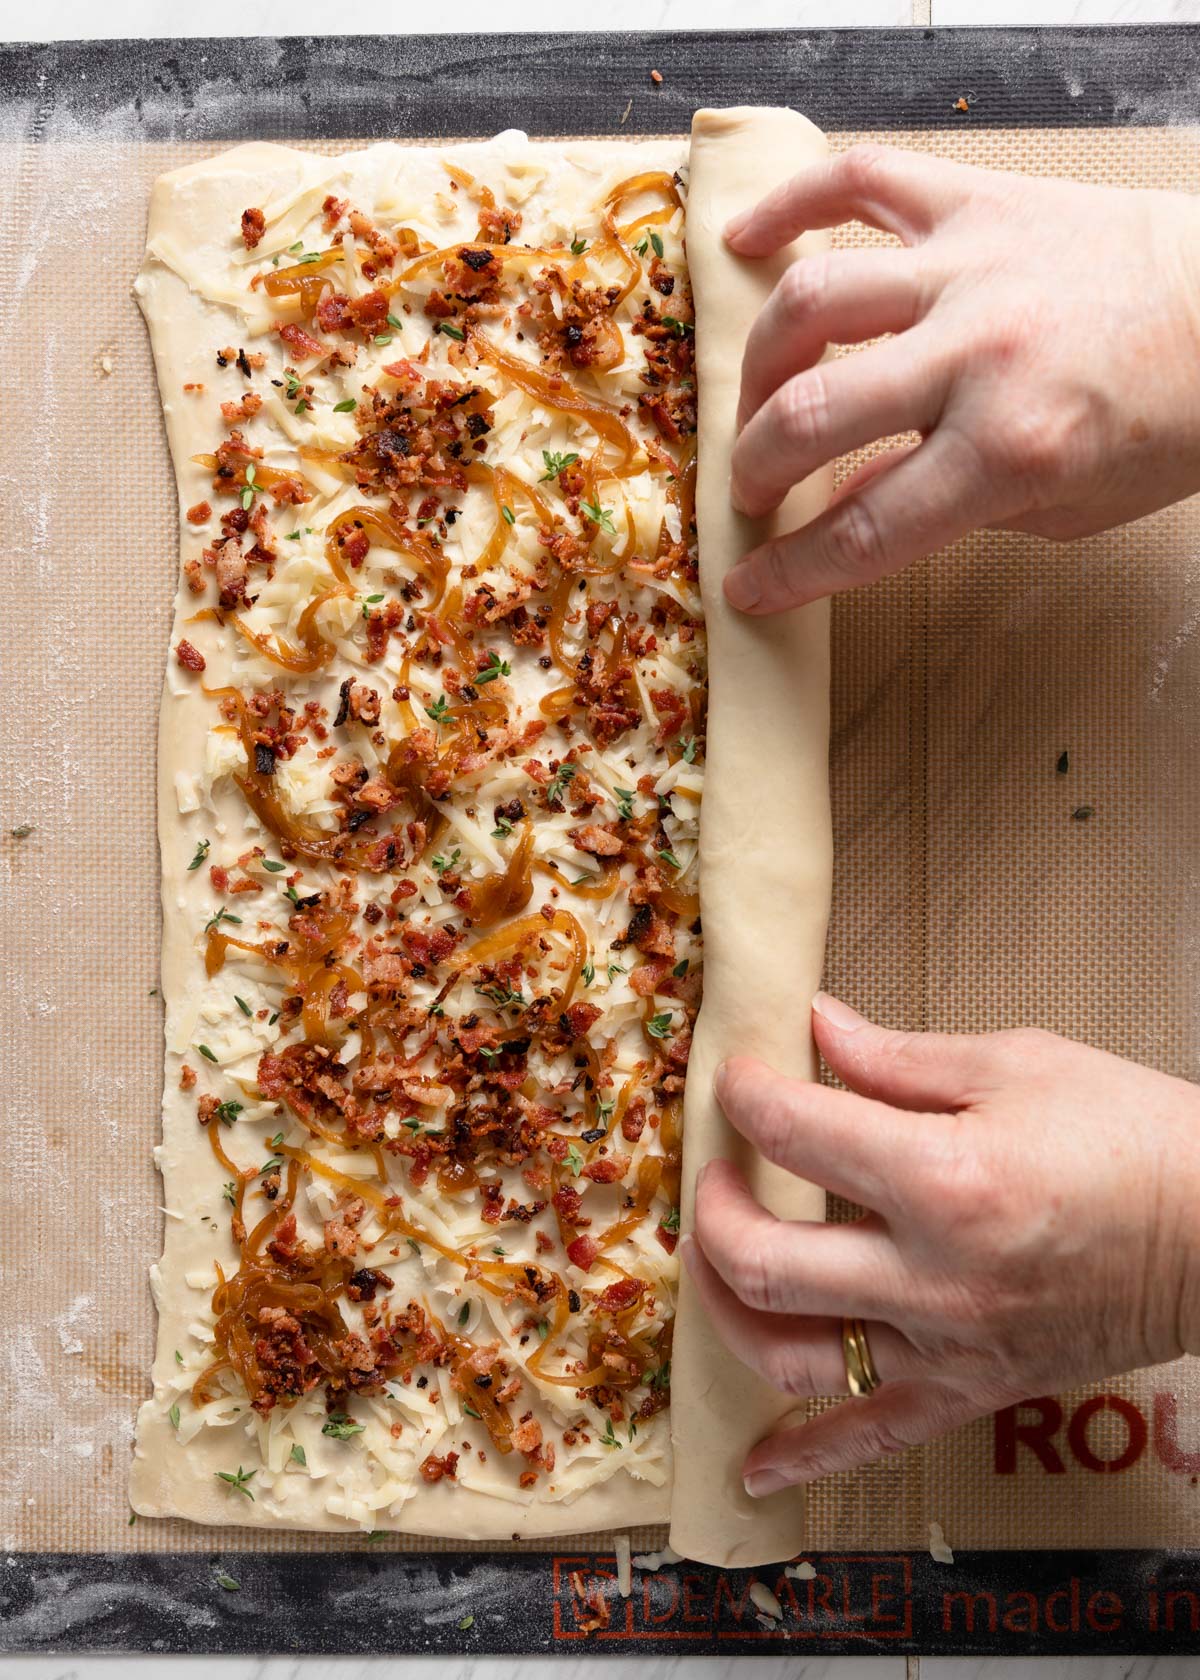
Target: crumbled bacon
x=189 y=657
x=199 y=513
x=254 y=225
x=434 y=1468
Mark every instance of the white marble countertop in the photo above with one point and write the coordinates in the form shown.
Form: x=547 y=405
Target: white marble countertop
x=74 y=19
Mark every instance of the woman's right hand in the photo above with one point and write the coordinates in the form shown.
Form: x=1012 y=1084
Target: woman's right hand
x=1046 y=349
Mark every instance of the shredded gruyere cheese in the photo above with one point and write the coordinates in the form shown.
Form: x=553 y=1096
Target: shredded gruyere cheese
x=445 y=827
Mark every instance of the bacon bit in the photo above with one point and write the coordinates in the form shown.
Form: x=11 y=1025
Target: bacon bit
x=303 y=343
x=194 y=387
x=434 y=1468
x=527 y=1435
x=600 y=842
x=583 y=1252
x=187 y=1077
x=245 y=409
x=199 y=513
x=254 y=225
x=621 y=1295
x=206 y=1108
x=633 y=1121
x=364 y=1284
x=607 y=1169
x=231 y=573
x=581 y=1018
x=189 y=657
x=647 y=977
x=656 y=77
x=672 y=708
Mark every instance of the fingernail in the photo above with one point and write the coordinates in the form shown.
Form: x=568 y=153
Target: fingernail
x=735 y=224
x=687 y=1250
x=837 y=1013
x=764 y=1482
x=741 y=588
x=719 y=1081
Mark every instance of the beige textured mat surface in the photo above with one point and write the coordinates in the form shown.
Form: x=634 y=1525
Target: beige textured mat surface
x=967 y=895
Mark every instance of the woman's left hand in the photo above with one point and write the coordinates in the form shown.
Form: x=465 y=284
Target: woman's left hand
x=1033 y=1225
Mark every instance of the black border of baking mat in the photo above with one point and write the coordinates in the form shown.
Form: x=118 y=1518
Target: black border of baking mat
x=429 y=86
x=1018 y=1603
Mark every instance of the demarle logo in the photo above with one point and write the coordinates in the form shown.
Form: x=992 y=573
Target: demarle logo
x=1052 y=1438
x=847 y=1598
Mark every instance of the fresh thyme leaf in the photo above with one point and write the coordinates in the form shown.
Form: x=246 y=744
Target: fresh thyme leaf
x=228 y=1582
x=442 y=863
x=670 y=1221
x=543 y=1329
x=302 y=407
x=202 y=849
x=668 y=857
x=556 y=464
x=660 y=1026
x=228 y=1111
x=588 y=972
x=679 y=328
x=274 y=866
x=394 y=321
x=502 y=996
x=574 y=1160
x=688 y=749
x=609 y=1439
x=661 y=1378
x=298 y=1455
x=464 y=1313
x=382 y=338
x=222 y=915
x=470 y=1410
x=502 y=829
x=440 y=710
x=656 y=241
x=450 y=332
x=681 y=968
x=578 y=246
x=642 y=248
x=237 y=1480
x=605 y=1107
x=346 y=406
x=624 y=799
x=613 y=970
x=178 y=1357
x=496 y=667
x=507 y=514
x=468 y=1621
x=173 y=1415
x=229 y=1191
x=600 y=516
x=557 y=784
x=340 y=1427
x=206 y=1052
x=243 y=1005
x=414 y=1245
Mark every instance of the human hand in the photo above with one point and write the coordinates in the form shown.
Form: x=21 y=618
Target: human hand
x=1033 y=1225
x=1047 y=336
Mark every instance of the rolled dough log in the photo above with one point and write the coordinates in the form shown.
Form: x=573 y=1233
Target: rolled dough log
x=765 y=848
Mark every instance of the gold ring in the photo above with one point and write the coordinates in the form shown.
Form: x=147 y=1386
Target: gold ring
x=861 y=1376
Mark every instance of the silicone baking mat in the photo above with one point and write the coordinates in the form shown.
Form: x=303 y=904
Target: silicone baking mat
x=984 y=879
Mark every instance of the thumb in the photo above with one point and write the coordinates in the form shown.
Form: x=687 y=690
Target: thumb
x=923 y=1071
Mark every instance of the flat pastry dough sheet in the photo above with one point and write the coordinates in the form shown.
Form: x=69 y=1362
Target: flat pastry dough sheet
x=770 y=695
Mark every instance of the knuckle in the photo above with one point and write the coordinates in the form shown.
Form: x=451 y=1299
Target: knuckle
x=803 y=416
x=853 y=544
x=805 y=286
x=789 y=1368
x=776 y=572
x=866 y=166
x=882 y=1439
x=755 y=1279
x=1026 y=1046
